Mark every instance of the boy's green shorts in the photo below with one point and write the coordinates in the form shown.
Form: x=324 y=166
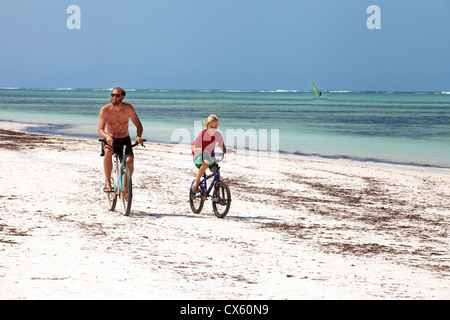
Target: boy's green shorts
x=198 y=159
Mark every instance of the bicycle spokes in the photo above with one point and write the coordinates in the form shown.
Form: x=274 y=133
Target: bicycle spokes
x=196 y=201
x=111 y=197
x=222 y=200
x=126 y=194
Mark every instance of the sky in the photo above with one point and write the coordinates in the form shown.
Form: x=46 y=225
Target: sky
x=227 y=44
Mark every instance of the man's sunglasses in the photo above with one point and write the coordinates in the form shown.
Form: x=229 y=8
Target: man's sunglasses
x=115 y=95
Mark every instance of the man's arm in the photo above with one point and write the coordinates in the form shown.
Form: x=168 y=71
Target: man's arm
x=101 y=127
x=139 y=128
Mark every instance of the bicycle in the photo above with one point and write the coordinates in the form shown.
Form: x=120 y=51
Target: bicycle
x=221 y=197
x=120 y=181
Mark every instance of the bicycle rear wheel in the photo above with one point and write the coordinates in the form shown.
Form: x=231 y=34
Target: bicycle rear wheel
x=198 y=200
x=111 y=197
x=126 y=193
x=222 y=199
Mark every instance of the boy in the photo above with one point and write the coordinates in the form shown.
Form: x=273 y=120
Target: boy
x=203 y=146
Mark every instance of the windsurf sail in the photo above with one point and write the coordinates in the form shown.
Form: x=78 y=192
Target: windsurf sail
x=316 y=92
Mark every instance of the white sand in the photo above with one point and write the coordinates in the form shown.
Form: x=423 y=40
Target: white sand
x=298 y=228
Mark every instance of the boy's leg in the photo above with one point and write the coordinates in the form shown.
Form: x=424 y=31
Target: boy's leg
x=215 y=168
x=200 y=173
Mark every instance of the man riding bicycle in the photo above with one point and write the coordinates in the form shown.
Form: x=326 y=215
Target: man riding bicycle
x=113 y=126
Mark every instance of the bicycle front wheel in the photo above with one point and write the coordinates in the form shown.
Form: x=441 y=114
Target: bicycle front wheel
x=222 y=199
x=198 y=200
x=126 y=193
x=111 y=197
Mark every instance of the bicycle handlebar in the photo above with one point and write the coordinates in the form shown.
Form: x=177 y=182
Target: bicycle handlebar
x=218 y=156
x=133 y=145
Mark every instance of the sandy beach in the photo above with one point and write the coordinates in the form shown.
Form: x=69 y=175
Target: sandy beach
x=298 y=227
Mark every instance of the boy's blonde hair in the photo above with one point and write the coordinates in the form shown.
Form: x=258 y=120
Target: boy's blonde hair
x=210 y=119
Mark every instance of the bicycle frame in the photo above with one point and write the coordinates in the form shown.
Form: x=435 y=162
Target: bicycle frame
x=118 y=170
x=213 y=183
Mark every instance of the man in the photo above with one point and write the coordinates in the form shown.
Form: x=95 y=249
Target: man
x=113 y=126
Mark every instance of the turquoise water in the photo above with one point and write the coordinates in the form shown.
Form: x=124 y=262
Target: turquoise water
x=411 y=128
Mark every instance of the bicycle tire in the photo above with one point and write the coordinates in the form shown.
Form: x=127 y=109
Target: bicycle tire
x=111 y=197
x=221 y=206
x=126 y=194
x=198 y=200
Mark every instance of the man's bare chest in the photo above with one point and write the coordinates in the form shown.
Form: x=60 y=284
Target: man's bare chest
x=114 y=117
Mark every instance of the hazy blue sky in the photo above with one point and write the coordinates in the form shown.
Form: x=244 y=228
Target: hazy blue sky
x=227 y=44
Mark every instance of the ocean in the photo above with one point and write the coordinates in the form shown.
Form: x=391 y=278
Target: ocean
x=395 y=127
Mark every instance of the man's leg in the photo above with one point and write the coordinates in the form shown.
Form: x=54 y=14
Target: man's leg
x=130 y=163
x=108 y=165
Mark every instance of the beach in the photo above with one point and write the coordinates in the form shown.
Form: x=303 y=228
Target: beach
x=299 y=227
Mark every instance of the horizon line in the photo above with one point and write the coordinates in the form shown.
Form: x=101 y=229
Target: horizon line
x=220 y=90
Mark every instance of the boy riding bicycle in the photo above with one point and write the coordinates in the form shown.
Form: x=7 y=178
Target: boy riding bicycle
x=202 y=148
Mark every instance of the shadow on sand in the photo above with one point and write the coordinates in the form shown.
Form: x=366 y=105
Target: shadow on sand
x=197 y=216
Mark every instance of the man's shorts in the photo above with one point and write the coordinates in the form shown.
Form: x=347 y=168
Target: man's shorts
x=198 y=159
x=118 y=146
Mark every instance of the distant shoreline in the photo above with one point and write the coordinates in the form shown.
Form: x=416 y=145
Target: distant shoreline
x=55 y=129
x=236 y=90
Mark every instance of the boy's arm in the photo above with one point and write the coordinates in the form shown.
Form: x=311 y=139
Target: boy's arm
x=196 y=146
x=222 y=143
